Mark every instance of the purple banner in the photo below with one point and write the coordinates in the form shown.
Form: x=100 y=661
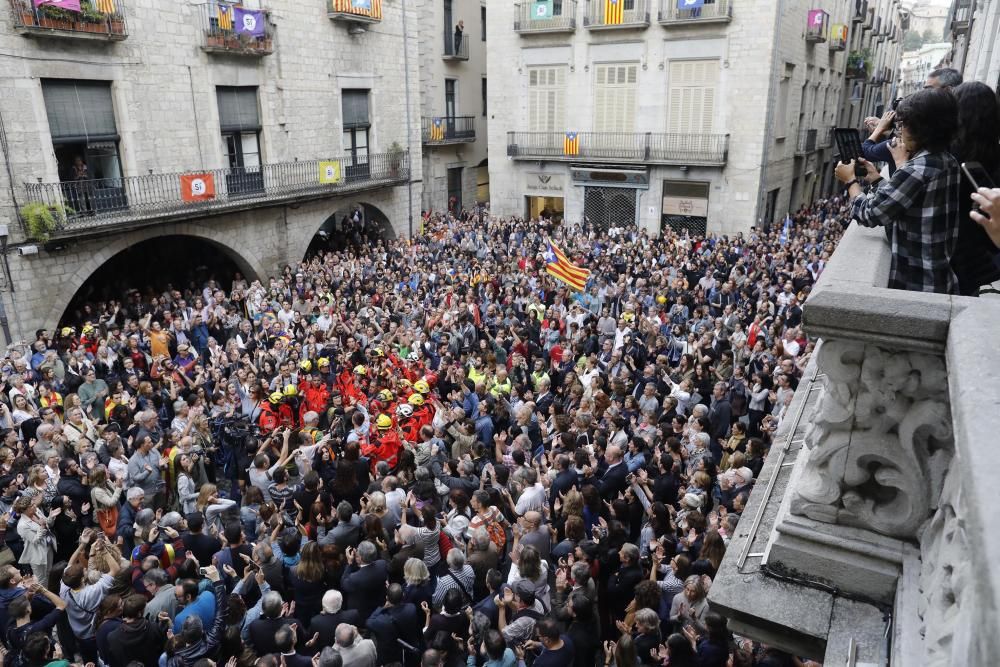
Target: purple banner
x=68 y=5
x=248 y=22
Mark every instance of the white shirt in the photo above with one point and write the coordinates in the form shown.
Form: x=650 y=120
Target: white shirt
x=531 y=499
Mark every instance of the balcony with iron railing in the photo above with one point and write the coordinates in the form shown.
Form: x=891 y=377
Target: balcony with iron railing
x=96 y=206
x=354 y=11
x=561 y=19
x=445 y=130
x=233 y=30
x=960 y=16
x=611 y=14
x=456 y=49
x=674 y=12
x=806 y=142
x=868 y=537
x=824 y=138
x=626 y=147
x=101 y=20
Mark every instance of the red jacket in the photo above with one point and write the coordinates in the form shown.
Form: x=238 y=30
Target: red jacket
x=383 y=446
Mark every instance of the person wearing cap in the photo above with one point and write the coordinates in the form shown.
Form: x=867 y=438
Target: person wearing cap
x=384 y=443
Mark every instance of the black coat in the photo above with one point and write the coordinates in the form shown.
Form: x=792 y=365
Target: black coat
x=613 y=482
x=364 y=587
x=388 y=624
x=326 y=626
x=262 y=633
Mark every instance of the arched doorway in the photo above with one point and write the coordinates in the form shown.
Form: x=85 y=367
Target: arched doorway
x=152 y=266
x=352 y=225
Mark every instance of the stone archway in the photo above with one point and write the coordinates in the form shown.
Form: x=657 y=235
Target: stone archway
x=334 y=233
x=246 y=258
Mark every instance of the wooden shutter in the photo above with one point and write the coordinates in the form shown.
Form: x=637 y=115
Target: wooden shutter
x=692 y=91
x=615 y=97
x=546 y=99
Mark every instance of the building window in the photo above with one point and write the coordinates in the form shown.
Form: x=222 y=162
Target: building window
x=781 y=113
x=484 y=95
x=239 y=120
x=85 y=140
x=482 y=21
x=455 y=189
x=357 y=124
x=614 y=98
x=691 y=92
x=546 y=99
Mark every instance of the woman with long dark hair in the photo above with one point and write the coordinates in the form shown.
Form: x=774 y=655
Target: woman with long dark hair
x=977 y=139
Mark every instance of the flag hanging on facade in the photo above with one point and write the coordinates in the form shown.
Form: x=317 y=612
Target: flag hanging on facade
x=249 y=21
x=372 y=8
x=329 y=172
x=197 y=187
x=786 y=230
x=105 y=6
x=559 y=267
x=614 y=12
x=571 y=144
x=437 y=129
x=68 y=5
x=541 y=10
x=225 y=16
x=690 y=4
x=838 y=32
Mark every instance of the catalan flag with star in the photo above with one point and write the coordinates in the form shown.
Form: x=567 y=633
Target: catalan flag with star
x=571 y=144
x=437 y=130
x=559 y=267
x=614 y=12
x=225 y=16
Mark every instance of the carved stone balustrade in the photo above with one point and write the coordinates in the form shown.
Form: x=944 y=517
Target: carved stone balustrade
x=865 y=538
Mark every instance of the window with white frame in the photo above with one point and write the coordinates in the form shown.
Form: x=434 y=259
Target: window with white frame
x=547 y=99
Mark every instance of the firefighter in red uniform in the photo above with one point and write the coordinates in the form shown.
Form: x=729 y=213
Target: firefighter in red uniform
x=270 y=418
x=422 y=412
x=315 y=395
x=409 y=428
x=384 y=444
x=288 y=411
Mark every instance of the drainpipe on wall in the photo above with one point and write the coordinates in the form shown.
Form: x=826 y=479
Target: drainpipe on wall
x=772 y=91
x=409 y=138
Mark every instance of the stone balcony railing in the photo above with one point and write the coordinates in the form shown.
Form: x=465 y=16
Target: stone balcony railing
x=866 y=537
x=100 y=206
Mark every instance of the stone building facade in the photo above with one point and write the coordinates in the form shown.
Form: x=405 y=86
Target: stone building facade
x=712 y=117
x=289 y=116
x=974 y=31
x=453 y=103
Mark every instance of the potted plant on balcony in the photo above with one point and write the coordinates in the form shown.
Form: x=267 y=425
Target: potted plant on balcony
x=117 y=24
x=395 y=159
x=91 y=20
x=858 y=64
x=55 y=18
x=25 y=13
x=42 y=219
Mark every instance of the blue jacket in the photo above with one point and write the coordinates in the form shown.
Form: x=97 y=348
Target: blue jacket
x=878 y=152
x=203 y=606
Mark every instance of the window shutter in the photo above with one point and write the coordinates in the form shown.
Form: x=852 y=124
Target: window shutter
x=237 y=108
x=79 y=110
x=546 y=93
x=692 y=91
x=354 y=108
x=615 y=98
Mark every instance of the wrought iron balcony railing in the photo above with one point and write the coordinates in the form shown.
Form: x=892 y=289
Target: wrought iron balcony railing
x=439 y=130
x=456 y=49
x=236 y=31
x=355 y=11
x=608 y=14
x=102 y=20
x=632 y=147
x=807 y=141
x=562 y=18
x=674 y=11
x=96 y=204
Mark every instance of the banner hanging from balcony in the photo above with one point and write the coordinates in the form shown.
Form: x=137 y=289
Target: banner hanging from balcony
x=614 y=12
x=248 y=21
x=541 y=10
x=105 y=6
x=329 y=172
x=437 y=130
x=690 y=4
x=817 y=21
x=197 y=187
x=224 y=15
x=838 y=33
x=68 y=5
x=372 y=8
x=571 y=144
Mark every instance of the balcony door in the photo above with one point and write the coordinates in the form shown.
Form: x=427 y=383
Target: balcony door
x=450 y=108
x=449 y=22
x=239 y=120
x=357 y=124
x=85 y=141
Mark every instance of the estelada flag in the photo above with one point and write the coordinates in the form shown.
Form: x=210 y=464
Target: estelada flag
x=571 y=144
x=197 y=187
x=614 y=12
x=559 y=267
x=225 y=16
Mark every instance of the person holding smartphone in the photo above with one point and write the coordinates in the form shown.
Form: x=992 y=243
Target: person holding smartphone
x=918 y=206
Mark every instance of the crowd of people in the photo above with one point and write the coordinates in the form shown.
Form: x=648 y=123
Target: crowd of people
x=406 y=453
